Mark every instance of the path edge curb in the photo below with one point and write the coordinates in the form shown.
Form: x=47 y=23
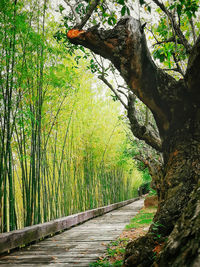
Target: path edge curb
x=17 y=238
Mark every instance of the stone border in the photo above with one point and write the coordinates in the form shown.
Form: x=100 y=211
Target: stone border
x=17 y=238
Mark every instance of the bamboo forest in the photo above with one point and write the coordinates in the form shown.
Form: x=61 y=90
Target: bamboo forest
x=65 y=143
x=100 y=133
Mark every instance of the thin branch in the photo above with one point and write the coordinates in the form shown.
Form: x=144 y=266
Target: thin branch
x=193 y=30
x=177 y=65
x=100 y=65
x=140 y=131
x=121 y=92
x=125 y=87
x=78 y=21
x=102 y=61
x=150 y=30
x=176 y=27
x=87 y=16
x=101 y=77
x=171 y=39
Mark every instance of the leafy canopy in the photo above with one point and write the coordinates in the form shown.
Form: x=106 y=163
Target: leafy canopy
x=163 y=19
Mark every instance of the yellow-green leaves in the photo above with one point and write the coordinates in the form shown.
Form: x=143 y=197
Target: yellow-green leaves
x=188 y=7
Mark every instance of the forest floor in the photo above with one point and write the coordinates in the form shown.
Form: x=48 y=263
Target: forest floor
x=137 y=227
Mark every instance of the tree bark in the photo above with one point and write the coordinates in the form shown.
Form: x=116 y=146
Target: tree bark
x=182 y=247
x=179 y=182
x=141 y=131
x=176 y=109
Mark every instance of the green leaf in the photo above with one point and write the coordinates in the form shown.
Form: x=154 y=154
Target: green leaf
x=179 y=9
x=172 y=6
x=149 y=9
x=142 y=2
x=104 y=14
x=123 y=10
x=121 y=2
x=61 y=8
x=112 y=21
x=189 y=14
x=168 y=57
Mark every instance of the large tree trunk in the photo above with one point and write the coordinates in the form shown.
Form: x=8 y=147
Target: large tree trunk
x=169 y=232
x=182 y=247
x=176 y=109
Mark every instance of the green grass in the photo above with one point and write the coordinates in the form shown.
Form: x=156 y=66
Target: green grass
x=143 y=218
x=114 y=249
x=105 y=263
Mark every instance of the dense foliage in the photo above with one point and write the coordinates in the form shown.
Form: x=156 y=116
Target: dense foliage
x=169 y=48
x=62 y=140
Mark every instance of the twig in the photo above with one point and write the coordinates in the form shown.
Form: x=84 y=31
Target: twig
x=176 y=27
x=78 y=21
x=177 y=65
x=101 y=77
x=193 y=30
x=87 y=16
x=171 y=39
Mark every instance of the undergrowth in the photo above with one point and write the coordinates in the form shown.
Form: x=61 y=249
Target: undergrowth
x=142 y=219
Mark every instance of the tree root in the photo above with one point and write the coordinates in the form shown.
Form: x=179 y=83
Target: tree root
x=140 y=252
x=180 y=249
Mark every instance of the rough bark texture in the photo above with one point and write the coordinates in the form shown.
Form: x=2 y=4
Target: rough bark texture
x=175 y=106
x=182 y=247
x=181 y=178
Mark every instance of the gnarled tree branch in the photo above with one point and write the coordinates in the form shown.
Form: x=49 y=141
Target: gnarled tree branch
x=125 y=46
x=141 y=132
x=155 y=168
x=137 y=129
